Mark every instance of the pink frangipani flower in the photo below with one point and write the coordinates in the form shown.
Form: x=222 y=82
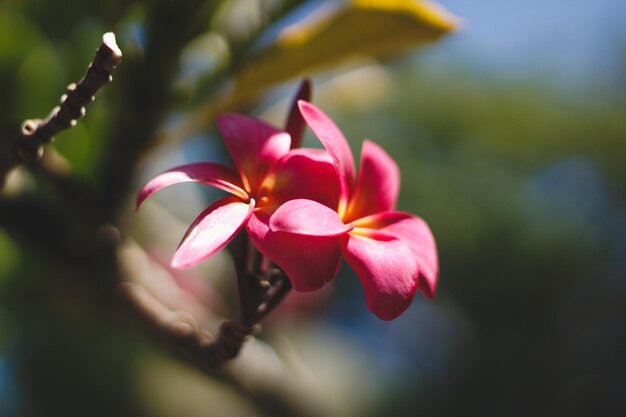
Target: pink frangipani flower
x=267 y=174
x=393 y=253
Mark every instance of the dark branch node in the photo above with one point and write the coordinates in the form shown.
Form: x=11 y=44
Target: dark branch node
x=229 y=342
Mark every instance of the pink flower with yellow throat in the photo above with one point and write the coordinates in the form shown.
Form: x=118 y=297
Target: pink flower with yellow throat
x=393 y=253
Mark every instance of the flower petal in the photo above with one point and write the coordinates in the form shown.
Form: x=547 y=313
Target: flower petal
x=387 y=270
x=295 y=122
x=417 y=235
x=420 y=239
x=378 y=185
x=307 y=217
x=211 y=231
x=302 y=173
x=207 y=173
x=334 y=142
x=253 y=145
x=309 y=262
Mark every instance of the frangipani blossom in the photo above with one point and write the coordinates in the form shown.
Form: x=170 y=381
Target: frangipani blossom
x=392 y=253
x=267 y=174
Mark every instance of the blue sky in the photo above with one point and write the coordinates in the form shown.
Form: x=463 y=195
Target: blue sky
x=569 y=37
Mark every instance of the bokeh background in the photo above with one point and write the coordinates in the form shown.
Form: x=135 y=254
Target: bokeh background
x=511 y=138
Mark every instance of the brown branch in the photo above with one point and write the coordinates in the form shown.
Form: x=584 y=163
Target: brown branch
x=34 y=133
x=180 y=331
x=254 y=376
x=260 y=291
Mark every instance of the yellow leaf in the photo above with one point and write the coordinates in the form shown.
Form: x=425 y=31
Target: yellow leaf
x=377 y=28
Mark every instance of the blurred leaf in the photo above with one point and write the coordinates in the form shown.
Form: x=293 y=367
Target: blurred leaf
x=9 y=256
x=17 y=37
x=362 y=27
x=201 y=59
x=39 y=82
x=239 y=20
x=375 y=28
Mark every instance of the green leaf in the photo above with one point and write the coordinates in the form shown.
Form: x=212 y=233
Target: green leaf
x=38 y=82
x=17 y=37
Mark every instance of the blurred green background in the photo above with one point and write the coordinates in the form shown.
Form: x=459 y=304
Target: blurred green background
x=511 y=139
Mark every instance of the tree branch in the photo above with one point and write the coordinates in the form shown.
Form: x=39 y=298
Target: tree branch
x=34 y=133
x=180 y=330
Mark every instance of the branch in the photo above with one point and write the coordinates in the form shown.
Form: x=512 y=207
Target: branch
x=180 y=330
x=257 y=375
x=34 y=133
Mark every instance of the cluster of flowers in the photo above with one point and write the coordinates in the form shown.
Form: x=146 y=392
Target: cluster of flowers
x=305 y=209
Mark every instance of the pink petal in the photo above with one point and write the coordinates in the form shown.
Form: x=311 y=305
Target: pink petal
x=207 y=173
x=334 y=142
x=417 y=235
x=295 y=122
x=302 y=173
x=211 y=231
x=307 y=217
x=309 y=262
x=253 y=145
x=378 y=185
x=387 y=270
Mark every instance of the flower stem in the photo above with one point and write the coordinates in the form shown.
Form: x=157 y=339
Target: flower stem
x=261 y=287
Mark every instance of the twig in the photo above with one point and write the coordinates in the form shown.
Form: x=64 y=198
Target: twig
x=34 y=133
x=274 y=295
x=260 y=291
x=181 y=332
